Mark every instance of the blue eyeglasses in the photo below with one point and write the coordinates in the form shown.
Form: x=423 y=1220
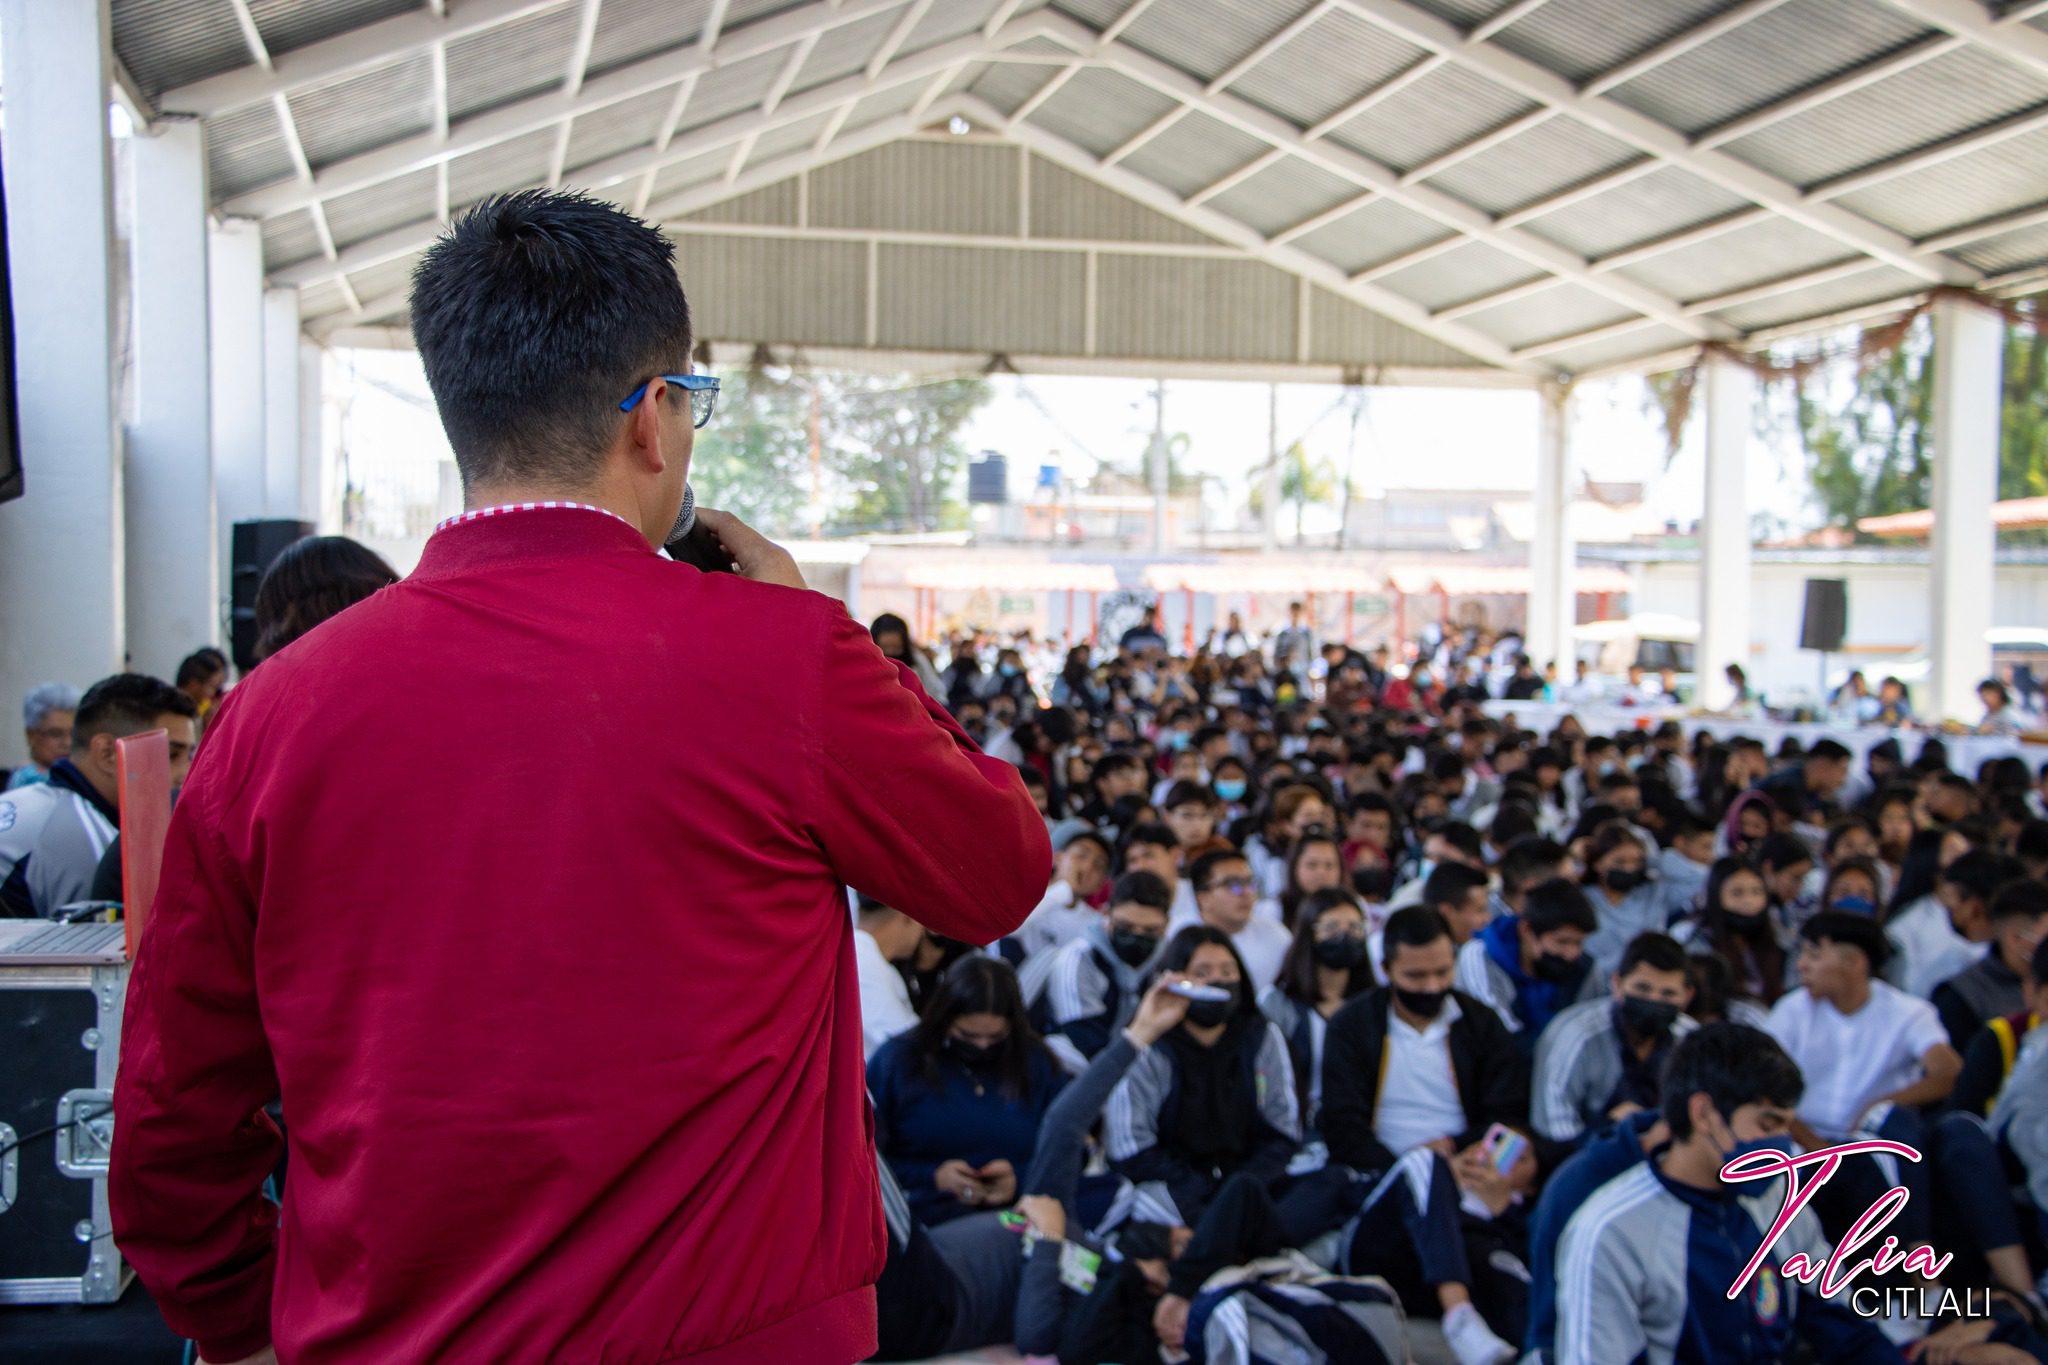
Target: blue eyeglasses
x=703 y=390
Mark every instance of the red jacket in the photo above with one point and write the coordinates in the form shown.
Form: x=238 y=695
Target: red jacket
x=521 y=883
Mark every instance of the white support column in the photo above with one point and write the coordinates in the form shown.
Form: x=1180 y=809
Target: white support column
x=61 y=614
x=284 y=491
x=319 y=495
x=1728 y=391
x=173 y=570
x=1553 y=555
x=235 y=323
x=1969 y=373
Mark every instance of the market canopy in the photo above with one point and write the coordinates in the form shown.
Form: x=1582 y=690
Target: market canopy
x=2013 y=514
x=1382 y=189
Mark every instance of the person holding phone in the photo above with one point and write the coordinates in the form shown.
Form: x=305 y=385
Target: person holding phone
x=566 y=1023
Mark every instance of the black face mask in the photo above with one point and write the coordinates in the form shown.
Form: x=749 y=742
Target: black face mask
x=1341 y=953
x=1647 y=1018
x=1623 y=879
x=1373 y=883
x=973 y=1054
x=1210 y=1013
x=1552 y=967
x=1133 y=949
x=1751 y=927
x=1425 y=1004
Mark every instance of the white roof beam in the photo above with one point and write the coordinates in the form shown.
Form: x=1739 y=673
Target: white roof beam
x=1986 y=228
x=1147 y=133
x=579 y=53
x=781 y=168
x=1566 y=343
x=1224 y=228
x=999 y=16
x=1395 y=264
x=930 y=94
x=833 y=123
x=1699 y=35
x=1579 y=193
x=1789 y=284
x=1380 y=93
x=716 y=136
x=664 y=135
x=1833 y=88
x=1507 y=18
x=1946 y=150
x=1447 y=209
x=1534 y=81
x=2018 y=43
x=1286 y=34
x=786 y=77
x=1683 y=238
x=1498 y=297
x=913 y=14
x=714 y=24
x=1487 y=141
x=541 y=111
x=1131 y=15
x=1053 y=85
x=2019 y=14
x=1272 y=156
x=1317 y=221
x=371 y=45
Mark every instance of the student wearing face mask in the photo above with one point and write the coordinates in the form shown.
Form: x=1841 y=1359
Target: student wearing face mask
x=1098 y=979
x=1530 y=967
x=2011 y=925
x=1938 y=946
x=1417 y=1143
x=1602 y=1060
x=958 y=1100
x=1324 y=969
x=1646 y=1265
x=1624 y=898
x=1231 y=781
x=1737 y=924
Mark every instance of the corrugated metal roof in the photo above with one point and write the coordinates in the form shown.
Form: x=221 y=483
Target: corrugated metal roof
x=844 y=50
x=1555 y=312
x=289 y=24
x=1467 y=272
x=1095 y=13
x=921 y=186
x=1656 y=205
x=511 y=165
x=678 y=176
x=1582 y=38
x=365 y=110
x=886 y=104
x=1934 y=100
x=1283 y=194
x=1378 y=231
x=381 y=207
x=789 y=138
x=1205 y=37
x=501 y=64
x=729 y=90
x=628 y=30
x=944 y=298
x=320 y=300
x=1063 y=205
x=1464 y=13
x=393 y=277
x=1871 y=286
x=742 y=12
x=1445 y=109
x=1343 y=333
x=167 y=43
x=1642 y=341
x=1996 y=179
x=1794 y=46
x=1203 y=310
x=616 y=128
x=1320 y=70
x=774 y=204
x=2009 y=251
x=290 y=239
x=1769 y=250
x=1098 y=109
x=1554 y=155
x=943 y=23
x=1194 y=152
x=751 y=289
x=245 y=148
x=1006 y=85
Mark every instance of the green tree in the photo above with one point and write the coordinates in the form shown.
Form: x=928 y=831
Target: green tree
x=2023 y=452
x=753 y=458
x=896 y=444
x=1303 y=480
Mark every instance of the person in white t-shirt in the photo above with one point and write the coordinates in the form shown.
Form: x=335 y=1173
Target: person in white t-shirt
x=1224 y=896
x=1872 y=1056
x=883 y=937
x=1080 y=869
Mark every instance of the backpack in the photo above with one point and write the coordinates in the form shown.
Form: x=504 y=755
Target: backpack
x=1284 y=1310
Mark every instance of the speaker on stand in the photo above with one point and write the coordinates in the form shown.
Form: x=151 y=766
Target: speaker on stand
x=1825 y=623
x=254 y=545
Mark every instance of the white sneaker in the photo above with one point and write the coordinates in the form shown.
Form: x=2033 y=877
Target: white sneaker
x=1471 y=1340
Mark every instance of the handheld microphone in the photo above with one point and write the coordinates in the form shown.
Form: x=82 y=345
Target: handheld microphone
x=693 y=544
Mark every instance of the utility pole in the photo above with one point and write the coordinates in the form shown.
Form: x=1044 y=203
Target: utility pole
x=1357 y=403
x=1159 y=467
x=817 y=507
x=1272 y=490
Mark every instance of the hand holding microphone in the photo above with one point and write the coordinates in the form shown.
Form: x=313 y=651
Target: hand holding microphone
x=719 y=542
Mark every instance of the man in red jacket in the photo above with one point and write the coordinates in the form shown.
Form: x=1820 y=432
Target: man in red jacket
x=522 y=884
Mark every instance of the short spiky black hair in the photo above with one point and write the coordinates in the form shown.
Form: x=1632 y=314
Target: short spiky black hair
x=127 y=704
x=1732 y=1065
x=535 y=315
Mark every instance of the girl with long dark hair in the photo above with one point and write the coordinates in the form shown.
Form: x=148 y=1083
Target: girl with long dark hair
x=1737 y=924
x=959 y=1099
x=1327 y=964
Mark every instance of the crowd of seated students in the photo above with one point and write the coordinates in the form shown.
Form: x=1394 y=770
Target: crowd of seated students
x=1495 y=1007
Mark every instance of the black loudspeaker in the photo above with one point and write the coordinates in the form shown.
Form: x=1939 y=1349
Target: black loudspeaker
x=255 y=545
x=1826 y=622
x=988 y=478
x=11 y=483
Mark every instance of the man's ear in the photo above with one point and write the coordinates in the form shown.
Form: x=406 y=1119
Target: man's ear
x=103 y=750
